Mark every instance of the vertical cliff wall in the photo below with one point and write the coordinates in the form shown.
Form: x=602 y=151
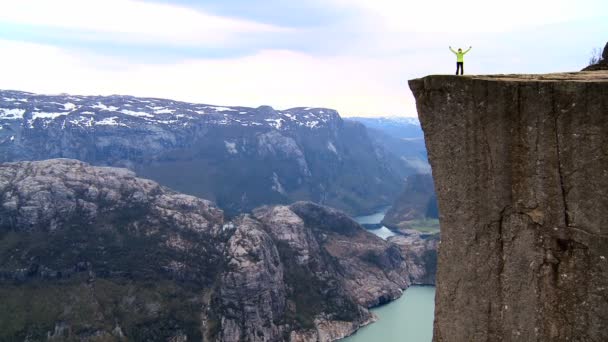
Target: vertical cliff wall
x=520 y=164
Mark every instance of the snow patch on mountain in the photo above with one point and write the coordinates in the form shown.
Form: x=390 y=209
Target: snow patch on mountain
x=221 y=109
x=231 y=147
x=112 y=121
x=289 y=116
x=12 y=113
x=331 y=147
x=83 y=121
x=138 y=114
x=69 y=106
x=276 y=123
x=102 y=106
x=44 y=115
x=124 y=111
x=312 y=124
x=163 y=110
x=276 y=184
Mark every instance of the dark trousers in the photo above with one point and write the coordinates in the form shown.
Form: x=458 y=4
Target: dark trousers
x=459 y=65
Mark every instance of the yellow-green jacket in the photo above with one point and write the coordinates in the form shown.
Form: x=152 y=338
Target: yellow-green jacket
x=460 y=55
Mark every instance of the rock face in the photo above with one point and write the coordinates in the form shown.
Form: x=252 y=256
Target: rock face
x=520 y=166
x=366 y=264
x=95 y=253
x=420 y=251
x=240 y=158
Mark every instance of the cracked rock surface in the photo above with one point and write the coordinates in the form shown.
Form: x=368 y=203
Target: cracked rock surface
x=520 y=164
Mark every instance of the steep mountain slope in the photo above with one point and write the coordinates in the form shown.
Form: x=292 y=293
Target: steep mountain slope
x=95 y=253
x=239 y=157
x=416 y=202
x=414 y=216
x=402 y=138
x=520 y=164
x=420 y=252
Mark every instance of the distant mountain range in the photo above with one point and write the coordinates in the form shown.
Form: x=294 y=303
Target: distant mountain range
x=399 y=127
x=239 y=157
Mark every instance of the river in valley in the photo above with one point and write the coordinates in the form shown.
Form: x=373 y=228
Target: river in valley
x=407 y=319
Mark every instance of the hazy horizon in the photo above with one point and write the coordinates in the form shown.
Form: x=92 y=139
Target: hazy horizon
x=352 y=56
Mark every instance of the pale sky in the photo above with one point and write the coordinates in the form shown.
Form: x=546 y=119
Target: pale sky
x=351 y=55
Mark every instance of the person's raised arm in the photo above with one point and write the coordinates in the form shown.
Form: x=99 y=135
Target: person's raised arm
x=469 y=49
x=454 y=52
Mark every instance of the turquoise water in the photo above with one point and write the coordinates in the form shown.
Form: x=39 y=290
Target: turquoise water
x=376 y=218
x=373 y=218
x=407 y=319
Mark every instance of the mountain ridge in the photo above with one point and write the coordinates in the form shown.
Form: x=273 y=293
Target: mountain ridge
x=239 y=157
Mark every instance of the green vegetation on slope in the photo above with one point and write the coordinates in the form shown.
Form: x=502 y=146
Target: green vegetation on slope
x=426 y=225
x=147 y=311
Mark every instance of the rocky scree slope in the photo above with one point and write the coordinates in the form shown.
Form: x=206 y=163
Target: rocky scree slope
x=520 y=167
x=95 y=253
x=239 y=157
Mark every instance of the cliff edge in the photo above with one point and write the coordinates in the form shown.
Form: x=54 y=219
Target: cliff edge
x=520 y=164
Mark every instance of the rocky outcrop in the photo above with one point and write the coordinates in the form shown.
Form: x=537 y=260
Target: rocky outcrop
x=252 y=293
x=240 y=158
x=373 y=270
x=420 y=252
x=519 y=163
x=95 y=253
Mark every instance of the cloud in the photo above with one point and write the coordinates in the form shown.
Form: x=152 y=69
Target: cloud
x=358 y=64
x=132 y=21
x=283 y=79
x=466 y=16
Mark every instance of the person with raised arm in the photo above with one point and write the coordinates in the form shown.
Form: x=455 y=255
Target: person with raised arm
x=460 y=59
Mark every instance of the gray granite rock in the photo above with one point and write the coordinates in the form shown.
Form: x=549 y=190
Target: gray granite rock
x=520 y=167
x=420 y=252
x=97 y=253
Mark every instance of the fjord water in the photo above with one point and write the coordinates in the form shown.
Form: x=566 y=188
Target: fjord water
x=376 y=218
x=407 y=319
